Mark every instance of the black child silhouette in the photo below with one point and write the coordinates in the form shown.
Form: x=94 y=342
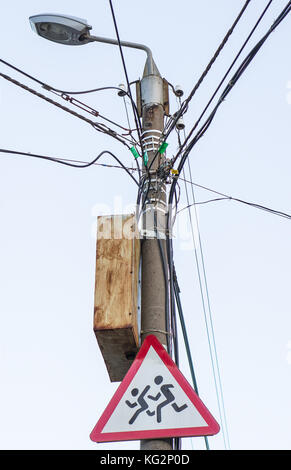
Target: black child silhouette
x=165 y=390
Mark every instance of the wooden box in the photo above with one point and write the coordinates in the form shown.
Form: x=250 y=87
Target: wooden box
x=116 y=319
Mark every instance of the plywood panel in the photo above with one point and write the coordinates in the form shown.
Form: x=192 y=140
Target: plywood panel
x=116 y=292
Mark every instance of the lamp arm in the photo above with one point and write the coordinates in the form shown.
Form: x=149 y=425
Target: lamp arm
x=133 y=45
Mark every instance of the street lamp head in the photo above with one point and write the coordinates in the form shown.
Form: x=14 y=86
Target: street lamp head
x=76 y=31
x=62 y=29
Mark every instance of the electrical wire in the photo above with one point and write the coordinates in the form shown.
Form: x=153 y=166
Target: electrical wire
x=186 y=341
x=68 y=163
x=97 y=126
x=207 y=69
x=57 y=90
x=173 y=122
x=206 y=303
x=232 y=198
x=83 y=162
x=231 y=84
x=206 y=307
x=64 y=93
x=90 y=110
x=165 y=274
x=173 y=320
x=209 y=326
x=135 y=113
x=202 y=77
x=128 y=122
x=225 y=75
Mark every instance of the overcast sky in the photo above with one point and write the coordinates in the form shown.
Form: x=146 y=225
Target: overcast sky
x=54 y=384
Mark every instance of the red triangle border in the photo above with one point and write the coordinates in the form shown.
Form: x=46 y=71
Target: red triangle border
x=209 y=430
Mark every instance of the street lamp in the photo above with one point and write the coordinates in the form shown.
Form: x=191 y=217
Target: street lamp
x=153 y=98
x=75 y=32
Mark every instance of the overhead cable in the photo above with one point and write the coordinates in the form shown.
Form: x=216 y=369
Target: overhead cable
x=231 y=84
x=206 y=306
x=61 y=92
x=97 y=126
x=185 y=105
x=225 y=75
x=207 y=69
x=202 y=77
x=186 y=341
x=135 y=113
x=232 y=198
x=69 y=163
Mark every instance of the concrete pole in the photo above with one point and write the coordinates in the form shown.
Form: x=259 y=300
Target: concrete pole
x=153 y=291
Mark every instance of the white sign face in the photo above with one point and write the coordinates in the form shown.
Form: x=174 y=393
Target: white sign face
x=154 y=400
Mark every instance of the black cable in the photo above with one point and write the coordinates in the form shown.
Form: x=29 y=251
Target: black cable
x=229 y=87
x=200 y=80
x=50 y=87
x=207 y=69
x=64 y=162
x=185 y=337
x=172 y=299
x=169 y=248
x=225 y=75
x=171 y=326
x=232 y=198
x=57 y=90
x=97 y=126
x=186 y=103
x=259 y=206
x=70 y=160
x=203 y=202
x=136 y=116
x=22 y=72
x=165 y=274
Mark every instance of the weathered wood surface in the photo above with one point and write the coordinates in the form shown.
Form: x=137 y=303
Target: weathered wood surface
x=116 y=292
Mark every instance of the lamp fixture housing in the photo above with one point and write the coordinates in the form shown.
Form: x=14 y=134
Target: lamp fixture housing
x=61 y=29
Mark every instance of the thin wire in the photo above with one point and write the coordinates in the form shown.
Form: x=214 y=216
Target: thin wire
x=186 y=341
x=209 y=308
x=177 y=442
x=207 y=69
x=95 y=164
x=136 y=116
x=232 y=198
x=129 y=125
x=51 y=88
x=231 y=84
x=202 y=77
x=165 y=268
x=97 y=126
x=204 y=306
x=226 y=74
x=221 y=408
x=64 y=92
x=87 y=108
x=197 y=85
x=63 y=161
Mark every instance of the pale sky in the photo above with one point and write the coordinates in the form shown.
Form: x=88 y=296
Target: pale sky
x=54 y=384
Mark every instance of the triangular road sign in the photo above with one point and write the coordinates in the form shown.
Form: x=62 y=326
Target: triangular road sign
x=154 y=400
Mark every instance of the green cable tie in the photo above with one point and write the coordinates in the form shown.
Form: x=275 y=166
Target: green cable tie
x=134 y=152
x=163 y=147
x=145 y=158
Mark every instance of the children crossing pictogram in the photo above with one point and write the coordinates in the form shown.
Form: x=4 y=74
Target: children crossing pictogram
x=141 y=400
x=153 y=400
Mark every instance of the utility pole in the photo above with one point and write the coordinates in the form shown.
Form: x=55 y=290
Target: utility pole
x=152 y=105
x=153 y=289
